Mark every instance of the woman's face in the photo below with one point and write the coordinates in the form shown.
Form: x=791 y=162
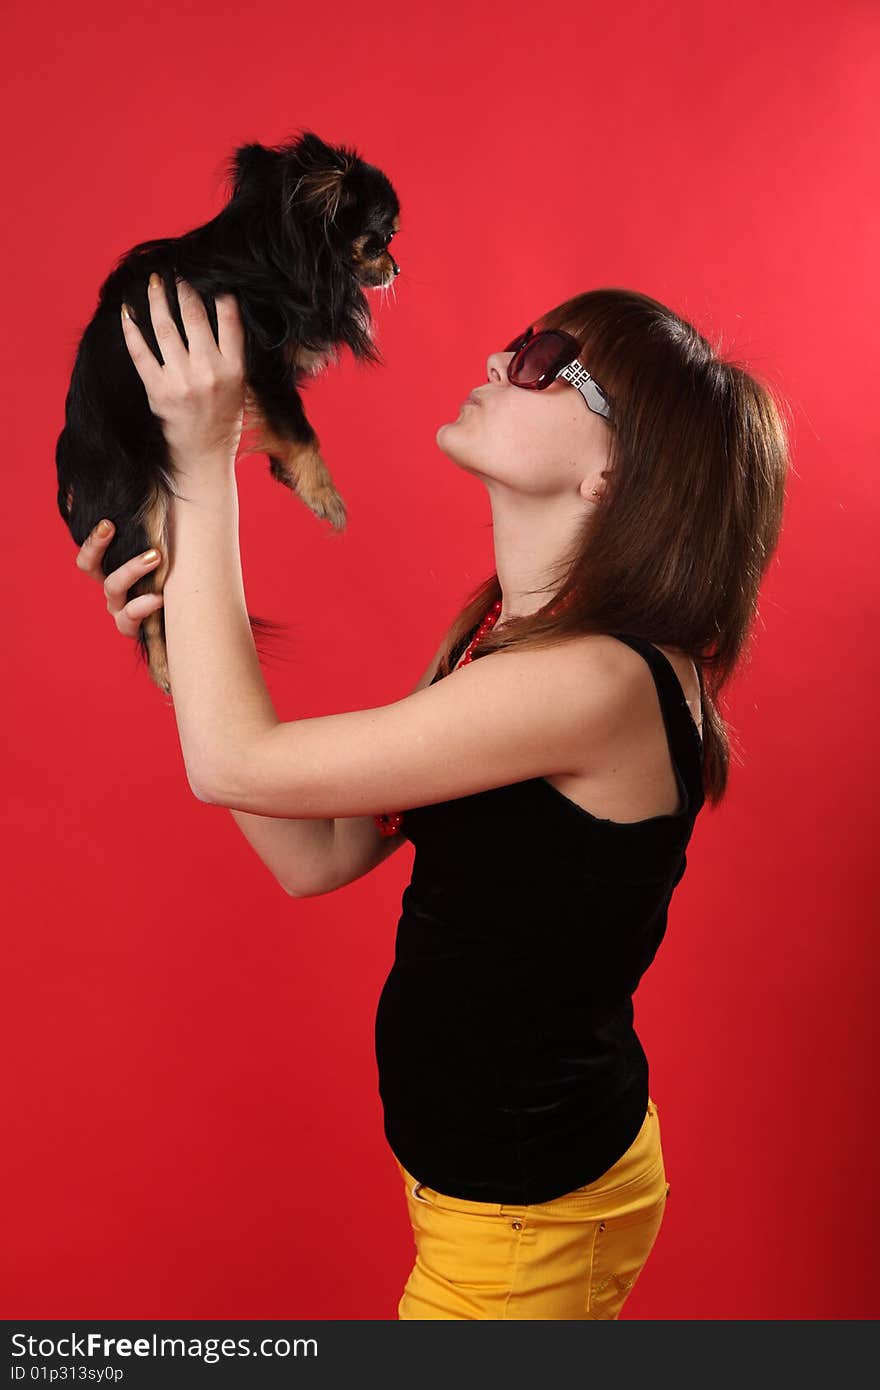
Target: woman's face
x=540 y=443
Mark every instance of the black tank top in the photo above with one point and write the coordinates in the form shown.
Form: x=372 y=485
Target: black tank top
x=509 y=1068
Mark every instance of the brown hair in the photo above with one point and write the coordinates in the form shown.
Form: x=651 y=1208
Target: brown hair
x=691 y=513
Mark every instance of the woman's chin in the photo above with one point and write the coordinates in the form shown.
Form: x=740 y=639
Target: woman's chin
x=447 y=443
x=451 y=425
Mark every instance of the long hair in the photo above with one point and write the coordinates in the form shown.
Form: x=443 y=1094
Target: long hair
x=692 y=510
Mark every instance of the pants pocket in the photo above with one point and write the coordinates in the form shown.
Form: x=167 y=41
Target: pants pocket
x=621 y=1249
x=466 y=1255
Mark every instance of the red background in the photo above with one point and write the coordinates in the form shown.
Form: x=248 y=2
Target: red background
x=193 y=1127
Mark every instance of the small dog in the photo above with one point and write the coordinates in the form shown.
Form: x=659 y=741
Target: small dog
x=305 y=230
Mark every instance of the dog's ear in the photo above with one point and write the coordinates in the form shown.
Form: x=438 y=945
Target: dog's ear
x=319 y=192
x=315 y=176
x=249 y=168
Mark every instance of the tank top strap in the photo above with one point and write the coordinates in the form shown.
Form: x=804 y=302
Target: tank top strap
x=682 y=733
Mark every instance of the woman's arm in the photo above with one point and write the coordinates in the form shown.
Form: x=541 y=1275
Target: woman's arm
x=221 y=701
x=311 y=857
x=197 y=393
x=296 y=852
x=509 y=717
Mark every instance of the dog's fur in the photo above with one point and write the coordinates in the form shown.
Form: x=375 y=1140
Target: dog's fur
x=305 y=230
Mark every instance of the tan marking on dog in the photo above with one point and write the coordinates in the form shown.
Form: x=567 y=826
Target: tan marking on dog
x=301 y=468
x=310 y=360
x=153 y=517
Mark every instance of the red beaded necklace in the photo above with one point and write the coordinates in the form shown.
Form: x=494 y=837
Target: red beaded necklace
x=390 y=822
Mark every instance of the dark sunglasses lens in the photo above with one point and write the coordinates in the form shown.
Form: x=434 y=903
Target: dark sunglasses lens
x=541 y=359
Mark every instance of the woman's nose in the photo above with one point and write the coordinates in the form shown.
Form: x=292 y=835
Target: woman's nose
x=496 y=365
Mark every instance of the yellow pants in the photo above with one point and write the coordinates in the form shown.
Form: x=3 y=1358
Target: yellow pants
x=577 y=1256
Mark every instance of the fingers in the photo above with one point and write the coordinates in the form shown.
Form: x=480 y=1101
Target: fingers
x=132 y=614
x=195 y=319
x=128 y=616
x=91 y=552
x=229 y=346
x=178 y=359
x=148 y=369
x=164 y=327
x=230 y=329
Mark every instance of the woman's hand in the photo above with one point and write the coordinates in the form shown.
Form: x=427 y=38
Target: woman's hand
x=198 y=396
x=128 y=616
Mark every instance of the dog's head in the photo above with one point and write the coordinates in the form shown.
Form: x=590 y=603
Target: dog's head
x=330 y=200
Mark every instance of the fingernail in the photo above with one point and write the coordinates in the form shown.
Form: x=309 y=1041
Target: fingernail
x=103 y=528
x=155 y=281
x=149 y=556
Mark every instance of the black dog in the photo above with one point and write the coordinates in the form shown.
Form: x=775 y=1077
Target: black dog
x=305 y=230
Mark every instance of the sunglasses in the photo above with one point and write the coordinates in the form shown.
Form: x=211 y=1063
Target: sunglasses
x=542 y=358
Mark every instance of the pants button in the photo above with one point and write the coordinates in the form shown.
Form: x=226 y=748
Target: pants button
x=601 y=1225
x=516 y=1225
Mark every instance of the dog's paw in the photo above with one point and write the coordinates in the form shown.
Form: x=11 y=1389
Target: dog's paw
x=329 y=506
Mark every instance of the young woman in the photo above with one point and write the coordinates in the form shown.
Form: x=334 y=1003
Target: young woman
x=550 y=783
